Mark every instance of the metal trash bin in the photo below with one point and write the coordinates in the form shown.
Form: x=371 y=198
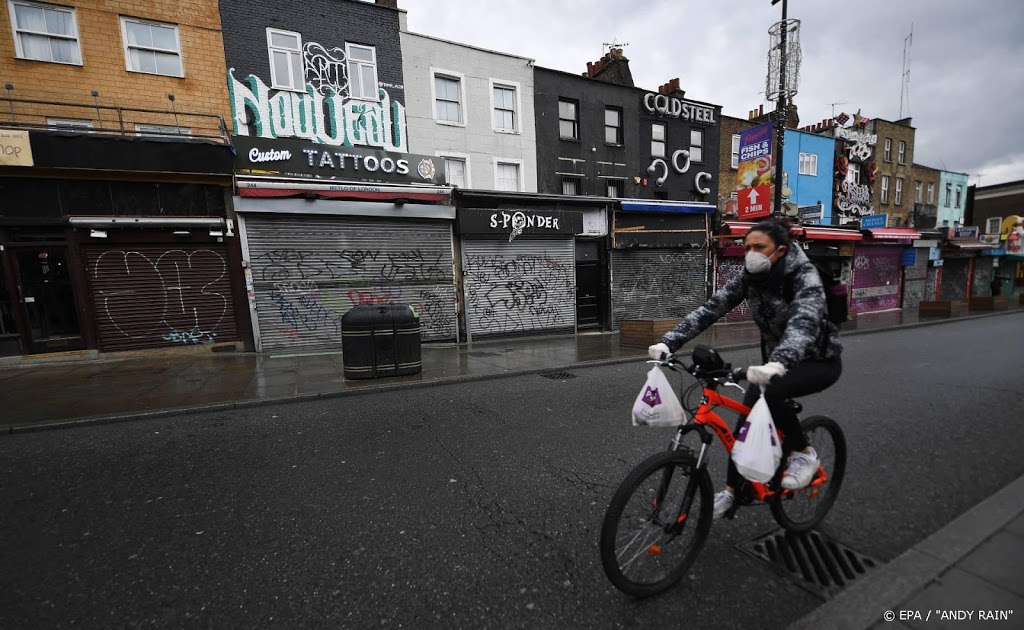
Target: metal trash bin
x=378 y=341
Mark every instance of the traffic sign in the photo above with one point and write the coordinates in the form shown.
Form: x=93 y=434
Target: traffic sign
x=754 y=202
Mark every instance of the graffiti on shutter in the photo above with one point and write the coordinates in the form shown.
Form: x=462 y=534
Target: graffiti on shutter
x=654 y=284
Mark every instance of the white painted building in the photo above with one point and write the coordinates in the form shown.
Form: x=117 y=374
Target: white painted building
x=474 y=108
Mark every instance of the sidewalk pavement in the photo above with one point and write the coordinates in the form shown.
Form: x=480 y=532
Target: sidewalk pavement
x=40 y=393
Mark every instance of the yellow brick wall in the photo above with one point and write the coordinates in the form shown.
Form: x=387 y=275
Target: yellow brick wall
x=203 y=89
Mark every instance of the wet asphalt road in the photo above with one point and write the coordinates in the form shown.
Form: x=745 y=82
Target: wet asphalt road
x=471 y=506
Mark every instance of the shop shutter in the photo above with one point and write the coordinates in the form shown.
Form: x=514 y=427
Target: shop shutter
x=161 y=296
x=658 y=283
x=877 y=275
x=309 y=271
x=518 y=287
x=954 y=278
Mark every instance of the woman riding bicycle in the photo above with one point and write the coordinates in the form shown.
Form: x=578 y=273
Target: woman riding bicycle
x=799 y=344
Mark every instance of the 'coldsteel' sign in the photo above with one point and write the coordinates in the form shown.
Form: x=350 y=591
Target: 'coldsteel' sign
x=678 y=108
x=295 y=158
x=517 y=222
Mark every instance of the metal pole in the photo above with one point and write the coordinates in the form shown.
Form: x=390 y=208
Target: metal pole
x=780 y=115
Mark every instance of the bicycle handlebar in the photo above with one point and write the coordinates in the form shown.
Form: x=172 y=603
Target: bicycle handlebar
x=725 y=375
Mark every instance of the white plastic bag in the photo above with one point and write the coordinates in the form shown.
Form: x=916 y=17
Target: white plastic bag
x=757 y=451
x=657 y=405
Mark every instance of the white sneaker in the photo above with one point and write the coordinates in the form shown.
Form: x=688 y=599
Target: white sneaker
x=723 y=501
x=800 y=470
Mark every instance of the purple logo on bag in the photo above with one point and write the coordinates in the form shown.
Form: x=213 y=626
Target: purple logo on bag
x=742 y=435
x=652 y=397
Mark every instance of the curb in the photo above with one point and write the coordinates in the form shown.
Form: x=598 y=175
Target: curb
x=389 y=387
x=863 y=605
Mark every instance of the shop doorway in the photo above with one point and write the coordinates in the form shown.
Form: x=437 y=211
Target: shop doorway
x=589 y=313
x=45 y=299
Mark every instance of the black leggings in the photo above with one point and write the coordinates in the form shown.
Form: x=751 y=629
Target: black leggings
x=809 y=377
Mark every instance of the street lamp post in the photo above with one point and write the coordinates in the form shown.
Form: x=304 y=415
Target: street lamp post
x=780 y=113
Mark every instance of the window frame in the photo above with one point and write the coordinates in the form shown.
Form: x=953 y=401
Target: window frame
x=931 y=193
x=498 y=161
x=897 y=197
x=620 y=133
x=887 y=155
x=699 y=146
x=918 y=192
x=949 y=195
x=959 y=195
x=808 y=164
x=517 y=120
x=609 y=181
x=19 y=51
x=274 y=83
x=575 y=120
x=125 y=20
x=460 y=157
x=348 y=67
x=663 y=141
x=884 y=190
x=734 y=159
x=998 y=223
x=451 y=76
x=901 y=156
x=577 y=179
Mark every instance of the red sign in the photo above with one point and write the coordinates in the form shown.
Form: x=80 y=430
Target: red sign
x=755 y=202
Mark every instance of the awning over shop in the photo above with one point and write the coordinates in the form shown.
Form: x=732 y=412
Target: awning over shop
x=740 y=228
x=970 y=245
x=654 y=205
x=892 y=234
x=832 y=234
x=270 y=188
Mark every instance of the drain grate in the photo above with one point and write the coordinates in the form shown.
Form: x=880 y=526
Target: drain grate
x=814 y=561
x=559 y=376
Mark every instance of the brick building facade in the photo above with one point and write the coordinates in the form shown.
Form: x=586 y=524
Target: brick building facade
x=893 y=191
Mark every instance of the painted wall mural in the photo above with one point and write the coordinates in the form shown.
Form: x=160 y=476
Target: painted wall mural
x=324 y=112
x=855 y=170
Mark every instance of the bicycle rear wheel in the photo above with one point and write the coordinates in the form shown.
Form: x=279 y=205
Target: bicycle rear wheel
x=800 y=510
x=647 y=544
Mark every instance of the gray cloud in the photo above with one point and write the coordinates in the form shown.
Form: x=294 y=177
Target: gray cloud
x=966 y=77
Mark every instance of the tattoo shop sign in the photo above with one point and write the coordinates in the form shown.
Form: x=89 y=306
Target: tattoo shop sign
x=297 y=158
x=513 y=223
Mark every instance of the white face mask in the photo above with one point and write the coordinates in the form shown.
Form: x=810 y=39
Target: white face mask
x=757 y=263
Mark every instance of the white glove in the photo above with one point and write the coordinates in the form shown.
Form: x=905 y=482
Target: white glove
x=763 y=374
x=658 y=351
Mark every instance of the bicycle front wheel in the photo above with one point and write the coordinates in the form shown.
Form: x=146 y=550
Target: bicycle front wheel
x=800 y=510
x=647 y=541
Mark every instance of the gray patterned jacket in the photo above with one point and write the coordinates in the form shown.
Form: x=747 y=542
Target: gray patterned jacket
x=792 y=331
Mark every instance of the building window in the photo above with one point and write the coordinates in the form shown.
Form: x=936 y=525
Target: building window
x=992 y=225
x=568 y=120
x=152 y=47
x=74 y=123
x=899 y=192
x=657 y=140
x=959 y=190
x=616 y=188
x=902 y=157
x=696 y=145
x=888 y=149
x=734 y=161
x=949 y=195
x=613 y=126
x=571 y=185
x=455 y=172
x=362 y=71
x=503 y=99
x=853 y=174
x=931 y=193
x=448 y=99
x=285 y=48
x=507 y=176
x=885 y=189
x=917 y=192
x=44 y=32
x=808 y=164
x=162 y=130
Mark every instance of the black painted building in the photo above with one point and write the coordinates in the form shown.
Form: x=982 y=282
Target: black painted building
x=333 y=211
x=657 y=152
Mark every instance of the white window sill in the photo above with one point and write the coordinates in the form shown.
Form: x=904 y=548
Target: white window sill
x=63 y=63
x=288 y=88
x=511 y=132
x=157 y=74
x=449 y=123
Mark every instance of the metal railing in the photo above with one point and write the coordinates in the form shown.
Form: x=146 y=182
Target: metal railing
x=111 y=120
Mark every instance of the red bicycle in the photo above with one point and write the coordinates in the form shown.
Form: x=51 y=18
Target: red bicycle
x=660 y=516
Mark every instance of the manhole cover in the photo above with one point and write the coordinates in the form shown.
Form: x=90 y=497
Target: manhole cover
x=559 y=376
x=814 y=561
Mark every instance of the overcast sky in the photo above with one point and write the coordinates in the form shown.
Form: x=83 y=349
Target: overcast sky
x=966 y=90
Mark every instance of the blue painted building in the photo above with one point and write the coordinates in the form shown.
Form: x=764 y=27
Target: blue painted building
x=952 y=199
x=807 y=164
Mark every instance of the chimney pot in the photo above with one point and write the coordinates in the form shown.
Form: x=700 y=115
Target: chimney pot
x=760 y=111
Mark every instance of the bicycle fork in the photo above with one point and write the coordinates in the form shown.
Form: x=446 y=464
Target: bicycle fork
x=675 y=527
